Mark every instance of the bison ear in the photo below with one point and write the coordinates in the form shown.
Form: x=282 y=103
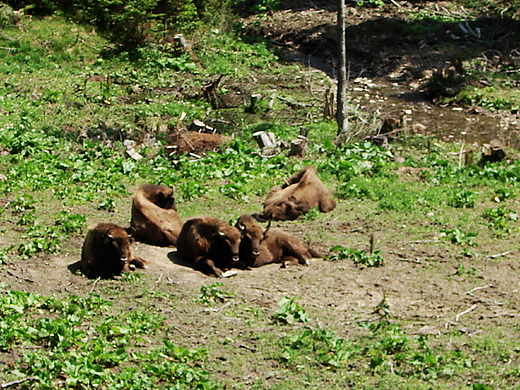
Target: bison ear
x=130 y=231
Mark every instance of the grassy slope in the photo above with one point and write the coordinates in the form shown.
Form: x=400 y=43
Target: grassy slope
x=424 y=222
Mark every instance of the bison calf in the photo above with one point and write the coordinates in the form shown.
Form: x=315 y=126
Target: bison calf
x=107 y=252
x=302 y=192
x=154 y=215
x=210 y=244
x=259 y=248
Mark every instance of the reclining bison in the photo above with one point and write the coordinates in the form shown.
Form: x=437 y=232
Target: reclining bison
x=210 y=244
x=154 y=215
x=107 y=252
x=259 y=248
x=302 y=192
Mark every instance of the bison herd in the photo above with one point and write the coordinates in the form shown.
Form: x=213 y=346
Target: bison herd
x=208 y=244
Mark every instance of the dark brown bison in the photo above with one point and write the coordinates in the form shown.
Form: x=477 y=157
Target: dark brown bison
x=154 y=215
x=107 y=252
x=210 y=244
x=259 y=247
x=302 y=192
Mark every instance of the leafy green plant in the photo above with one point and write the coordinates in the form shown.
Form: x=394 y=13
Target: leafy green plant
x=499 y=218
x=212 y=294
x=315 y=347
x=460 y=237
x=463 y=199
x=502 y=194
x=59 y=349
x=358 y=256
x=70 y=223
x=108 y=205
x=290 y=312
x=374 y=259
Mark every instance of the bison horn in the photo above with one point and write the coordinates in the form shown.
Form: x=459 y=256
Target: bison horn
x=268 y=226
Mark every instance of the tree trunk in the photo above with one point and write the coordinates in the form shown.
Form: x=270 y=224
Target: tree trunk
x=341 y=114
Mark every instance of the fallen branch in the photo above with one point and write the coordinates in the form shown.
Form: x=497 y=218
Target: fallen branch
x=478 y=288
x=419 y=241
x=94 y=285
x=13 y=383
x=410 y=261
x=19 y=277
x=180 y=331
x=464 y=312
x=361 y=320
x=500 y=254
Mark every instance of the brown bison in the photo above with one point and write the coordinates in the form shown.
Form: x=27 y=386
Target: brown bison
x=210 y=244
x=302 y=192
x=154 y=215
x=107 y=252
x=259 y=248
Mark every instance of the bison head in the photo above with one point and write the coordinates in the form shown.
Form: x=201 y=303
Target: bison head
x=288 y=209
x=229 y=238
x=118 y=241
x=252 y=235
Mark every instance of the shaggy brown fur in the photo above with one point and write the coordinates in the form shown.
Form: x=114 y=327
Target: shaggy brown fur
x=107 y=252
x=154 y=215
x=259 y=248
x=210 y=244
x=303 y=191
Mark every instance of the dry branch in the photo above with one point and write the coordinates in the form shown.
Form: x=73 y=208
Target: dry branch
x=409 y=261
x=419 y=241
x=500 y=254
x=94 y=285
x=14 y=383
x=464 y=312
x=478 y=288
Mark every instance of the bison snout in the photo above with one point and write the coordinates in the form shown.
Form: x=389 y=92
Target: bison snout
x=235 y=258
x=256 y=253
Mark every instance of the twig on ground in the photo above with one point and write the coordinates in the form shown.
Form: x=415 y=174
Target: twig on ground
x=500 y=254
x=464 y=312
x=260 y=288
x=361 y=320
x=506 y=313
x=14 y=383
x=409 y=261
x=419 y=242
x=19 y=277
x=159 y=278
x=478 y=288
x=396 y=3
x=180 y=331
x=94 y=285
x=247 y=347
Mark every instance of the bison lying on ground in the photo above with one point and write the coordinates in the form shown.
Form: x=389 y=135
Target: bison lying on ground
x=107 y=252
x=259 y=248
x=302 y=192
x=210 y=244
x=154 y=215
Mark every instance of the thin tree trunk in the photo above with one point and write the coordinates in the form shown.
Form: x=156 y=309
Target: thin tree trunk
x=341 y=114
